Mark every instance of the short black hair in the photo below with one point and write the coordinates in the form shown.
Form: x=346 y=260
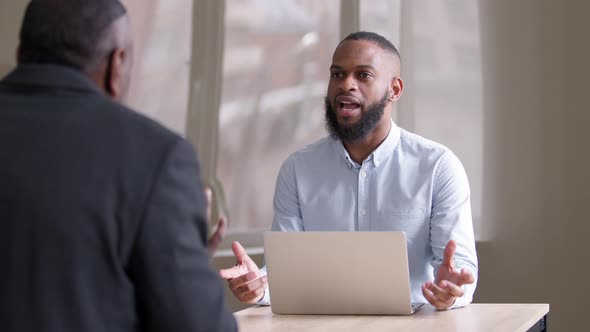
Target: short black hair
x=67 y=32
x=381 y=41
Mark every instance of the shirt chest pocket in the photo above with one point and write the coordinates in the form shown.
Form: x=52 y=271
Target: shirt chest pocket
x=407 y=220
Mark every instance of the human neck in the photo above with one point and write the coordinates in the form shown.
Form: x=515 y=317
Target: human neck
x=360 y=150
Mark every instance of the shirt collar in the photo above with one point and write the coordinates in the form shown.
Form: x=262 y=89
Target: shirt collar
x=381 y=153
x=386 y=148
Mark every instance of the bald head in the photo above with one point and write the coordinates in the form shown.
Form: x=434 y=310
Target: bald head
x=93 y=36
x=74 y=33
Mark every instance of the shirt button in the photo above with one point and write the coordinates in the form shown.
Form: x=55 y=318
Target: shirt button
x=363 y=174
x=363 y=212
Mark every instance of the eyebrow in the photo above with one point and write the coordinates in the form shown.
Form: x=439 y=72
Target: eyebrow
x=336 y=67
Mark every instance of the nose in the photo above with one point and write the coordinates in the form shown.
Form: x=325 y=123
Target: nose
x=348 y=83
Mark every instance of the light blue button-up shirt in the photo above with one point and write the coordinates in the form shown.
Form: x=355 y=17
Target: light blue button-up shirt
x=408 y=184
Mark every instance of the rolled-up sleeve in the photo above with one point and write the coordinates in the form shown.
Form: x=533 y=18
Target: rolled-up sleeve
x=451 y=220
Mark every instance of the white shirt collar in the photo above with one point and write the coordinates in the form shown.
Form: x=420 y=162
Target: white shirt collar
x=381 y=153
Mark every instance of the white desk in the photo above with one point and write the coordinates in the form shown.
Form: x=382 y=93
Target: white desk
x=475 y=317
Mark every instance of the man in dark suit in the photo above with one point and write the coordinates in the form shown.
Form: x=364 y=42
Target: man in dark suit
x=102 y=213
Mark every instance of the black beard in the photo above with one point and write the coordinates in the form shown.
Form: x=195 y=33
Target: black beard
x=358 y=131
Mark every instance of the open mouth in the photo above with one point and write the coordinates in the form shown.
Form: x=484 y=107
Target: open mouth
x=347 y=106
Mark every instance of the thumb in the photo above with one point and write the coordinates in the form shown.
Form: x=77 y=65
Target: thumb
x=467 y=277
x=449 y=254
x=232 y=272
x=242 y=257
x=239 y=251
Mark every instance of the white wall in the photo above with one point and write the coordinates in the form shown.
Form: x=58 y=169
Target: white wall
x=536 y=166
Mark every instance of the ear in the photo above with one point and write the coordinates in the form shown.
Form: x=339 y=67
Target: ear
x=114 y=76
x=18 y=54
x=396 y=86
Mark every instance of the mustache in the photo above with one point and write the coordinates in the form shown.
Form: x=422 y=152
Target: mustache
x=358 y=131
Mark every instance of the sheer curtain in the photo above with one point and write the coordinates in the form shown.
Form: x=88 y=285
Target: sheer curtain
x=162 y=43
x=275 y=71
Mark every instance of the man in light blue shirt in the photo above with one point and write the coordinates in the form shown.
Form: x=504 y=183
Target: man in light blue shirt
x=371 y=175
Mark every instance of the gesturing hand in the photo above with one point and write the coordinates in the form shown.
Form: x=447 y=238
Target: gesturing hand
x=245 y=279
x=444 y=291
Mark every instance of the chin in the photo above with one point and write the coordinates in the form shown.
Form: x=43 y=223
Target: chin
x=347 y=122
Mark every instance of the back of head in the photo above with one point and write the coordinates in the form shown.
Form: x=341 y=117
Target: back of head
x=72 y=33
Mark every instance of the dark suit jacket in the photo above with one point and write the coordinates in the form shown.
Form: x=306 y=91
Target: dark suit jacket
x=102 y=223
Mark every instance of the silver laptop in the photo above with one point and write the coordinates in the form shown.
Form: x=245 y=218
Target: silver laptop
x=338 y=273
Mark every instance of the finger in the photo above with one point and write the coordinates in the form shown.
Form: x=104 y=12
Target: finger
x=221 y=225
x=208 y=200
x=449 y=253
x=232 y=272
x=254 y=296
x=252 y=286
x=433 y=299
x=441 y=293
x=466 y=277
x=239 y=251
x=429 y=295
x=217 y=236
x=451 y=288
x=243 y=258
x=443 y=298
x=246 y=278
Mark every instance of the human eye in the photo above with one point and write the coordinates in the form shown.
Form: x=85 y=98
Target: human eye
x=365 y=75
x=335 y=74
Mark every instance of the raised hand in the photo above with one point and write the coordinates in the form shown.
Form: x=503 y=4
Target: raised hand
x=245 y=279
x=446 y=288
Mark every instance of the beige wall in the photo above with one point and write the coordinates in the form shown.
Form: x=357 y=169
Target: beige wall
x=10 y=18
x=536 y=68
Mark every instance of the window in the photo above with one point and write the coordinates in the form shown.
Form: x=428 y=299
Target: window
x=277 y=55
x=161 y=68
x=272 y=72
x=383 y=17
